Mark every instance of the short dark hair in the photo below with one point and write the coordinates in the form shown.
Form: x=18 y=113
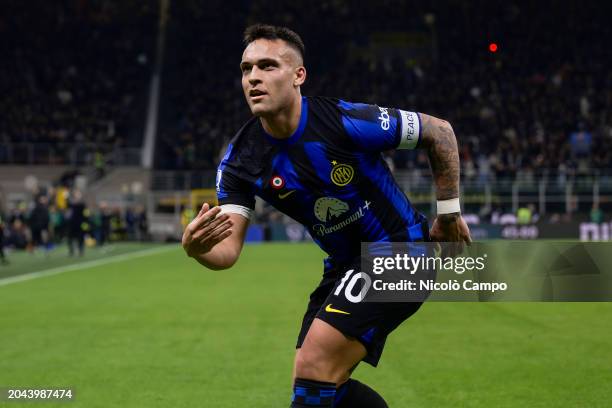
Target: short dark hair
x=270 y=32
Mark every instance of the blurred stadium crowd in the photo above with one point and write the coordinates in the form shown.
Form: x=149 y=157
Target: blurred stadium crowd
x=541 y=102
x=75 y=78
x=61 y=215
x=71 y=76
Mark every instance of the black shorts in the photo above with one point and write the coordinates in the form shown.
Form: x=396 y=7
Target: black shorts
x=37 y=236
x=368 y=322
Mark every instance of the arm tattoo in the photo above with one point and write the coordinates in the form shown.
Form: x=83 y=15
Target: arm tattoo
x=439 y=140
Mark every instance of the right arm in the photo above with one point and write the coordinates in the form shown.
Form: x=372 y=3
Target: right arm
x=215 y=240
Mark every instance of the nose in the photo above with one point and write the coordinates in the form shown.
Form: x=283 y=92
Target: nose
x=254 y=76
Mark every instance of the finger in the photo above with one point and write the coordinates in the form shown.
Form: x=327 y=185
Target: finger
x=464 y=233
x=212 y=234
x=455 y=248
x=205 y=218
x=460 y=247
x=446 y=249
x=458 y=233
x=211 y=243
x=221 y=237
x=437 y=248
x=205 y=207
x=201 y=220
x=221 y=228
x=207 y=228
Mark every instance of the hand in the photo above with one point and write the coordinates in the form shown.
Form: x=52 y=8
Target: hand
x=206 y=230
x=452 y=230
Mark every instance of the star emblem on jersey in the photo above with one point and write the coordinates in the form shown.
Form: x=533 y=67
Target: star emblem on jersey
x=277 y=182
x=341 y=174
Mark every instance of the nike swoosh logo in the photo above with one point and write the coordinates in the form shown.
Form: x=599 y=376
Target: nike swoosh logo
x=285 y=195
x=330 y=309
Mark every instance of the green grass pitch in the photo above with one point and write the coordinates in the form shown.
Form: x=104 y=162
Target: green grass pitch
x=161 y=331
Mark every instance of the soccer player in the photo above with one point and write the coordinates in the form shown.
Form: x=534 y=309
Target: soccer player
x=76 y=223
x=3 y=260
x=319 y=161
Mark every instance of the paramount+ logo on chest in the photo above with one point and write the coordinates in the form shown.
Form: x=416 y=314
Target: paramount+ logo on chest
x=329 y=211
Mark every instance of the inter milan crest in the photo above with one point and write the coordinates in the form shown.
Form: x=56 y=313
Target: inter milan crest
x=341 y=174
x=277 y=182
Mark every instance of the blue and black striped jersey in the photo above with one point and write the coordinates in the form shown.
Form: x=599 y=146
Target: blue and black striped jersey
x=329 y=175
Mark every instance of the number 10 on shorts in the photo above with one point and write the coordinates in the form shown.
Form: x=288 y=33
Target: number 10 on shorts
x=348 y=291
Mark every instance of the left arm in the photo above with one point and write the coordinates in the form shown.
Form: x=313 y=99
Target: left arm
x=374 y=128
x=438 y=138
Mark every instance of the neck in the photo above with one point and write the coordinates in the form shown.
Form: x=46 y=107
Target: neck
x=283 y=124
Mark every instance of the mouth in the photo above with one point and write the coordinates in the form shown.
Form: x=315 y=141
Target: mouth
x=256 y=94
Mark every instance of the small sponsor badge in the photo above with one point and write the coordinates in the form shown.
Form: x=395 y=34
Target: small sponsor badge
x=277 y=182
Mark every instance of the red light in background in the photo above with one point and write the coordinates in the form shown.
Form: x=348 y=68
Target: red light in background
x=493 y=47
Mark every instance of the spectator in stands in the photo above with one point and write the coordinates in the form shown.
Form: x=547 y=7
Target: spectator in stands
x=130 y=223
x=142 y=224
x=95 y=223
x=39 y=222
x=17 y=234
x=99 y=164
x=526 y=215
x=56 y=225
x=71 y=77
x=77 y=220
x=581 y=141
x=596 y=215
x=3 y=259
x=117 y=225
x=106 y=223
x=516 y=109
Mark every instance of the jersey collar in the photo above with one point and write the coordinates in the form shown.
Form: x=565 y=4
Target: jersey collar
x=298 y=132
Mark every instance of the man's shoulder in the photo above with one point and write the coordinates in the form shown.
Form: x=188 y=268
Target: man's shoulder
x=323 y=99
x=248 y=128
x=247 y=140
x=341 y=108
x=325 y=115
x=247 y=153
x=323 y=102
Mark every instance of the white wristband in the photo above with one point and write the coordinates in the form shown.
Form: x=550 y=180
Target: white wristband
x=246 y=212
x=448 y=206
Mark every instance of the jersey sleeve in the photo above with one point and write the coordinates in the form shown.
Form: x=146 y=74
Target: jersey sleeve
x=232 y=189
x=374 y=128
